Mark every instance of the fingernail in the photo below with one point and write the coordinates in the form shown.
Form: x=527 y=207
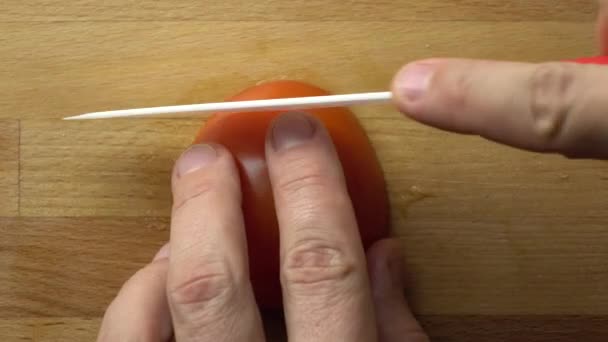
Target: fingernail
x=162 y=253
x=413 y=81
x=196 y=158
x=292 y=129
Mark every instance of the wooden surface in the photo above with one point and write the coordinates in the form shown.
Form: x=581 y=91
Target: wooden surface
x=502 y=245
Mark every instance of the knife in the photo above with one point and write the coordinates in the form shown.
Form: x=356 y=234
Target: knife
x=262 y=105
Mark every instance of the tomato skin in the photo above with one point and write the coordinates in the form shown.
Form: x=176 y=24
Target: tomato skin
x=244 y=135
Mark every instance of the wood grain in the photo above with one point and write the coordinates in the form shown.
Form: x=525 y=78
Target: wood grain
x=481 y=222
x=445 y=328
x=312 y=10
x=476 y=239
x=9 y=168
x=53 y=70
x=71 y=267
x=74 y=329
x=18 y=330
x=100 y=168
x=505 y=328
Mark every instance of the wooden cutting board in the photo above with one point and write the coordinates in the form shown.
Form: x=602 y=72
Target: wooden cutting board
x=501 y=245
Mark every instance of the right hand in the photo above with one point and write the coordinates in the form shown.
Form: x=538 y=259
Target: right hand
x=559 y=107
x=198 y=289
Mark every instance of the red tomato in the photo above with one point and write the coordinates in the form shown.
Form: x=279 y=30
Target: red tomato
x=244 y=135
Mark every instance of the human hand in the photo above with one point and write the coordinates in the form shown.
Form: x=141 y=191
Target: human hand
x=199 y=288
x=547 y=107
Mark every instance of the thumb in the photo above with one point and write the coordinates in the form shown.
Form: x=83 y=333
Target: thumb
x=396 y=323
x=602 y=26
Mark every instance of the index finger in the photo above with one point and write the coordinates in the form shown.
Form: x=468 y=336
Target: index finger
x=208 y=287
x=326 y=290
x=546 y=107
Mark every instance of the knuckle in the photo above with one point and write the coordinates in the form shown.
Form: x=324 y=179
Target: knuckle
x=303 y=178
x=200 y=189
x=207 y=285
x=300 y=188
x=552 y=100
x=458 y=88
x=307 y=181
x=315 y=266
x=455 y=94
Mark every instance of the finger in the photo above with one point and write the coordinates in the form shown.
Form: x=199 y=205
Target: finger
x=323 y=273
x=396 y=323
x=140 y=311
x=602 y=25
x=209 y=291
x=547 y=107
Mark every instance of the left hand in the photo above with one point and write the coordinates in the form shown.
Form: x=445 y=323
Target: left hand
x=199 y=288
